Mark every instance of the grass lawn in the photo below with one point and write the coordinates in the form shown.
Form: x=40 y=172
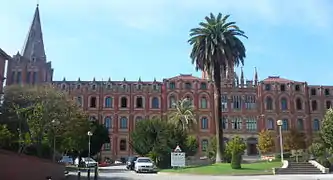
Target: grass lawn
x=225 y=169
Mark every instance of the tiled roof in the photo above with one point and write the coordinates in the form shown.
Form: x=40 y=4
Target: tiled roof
x=277 y=79
x=184 y=77
x=4 y=54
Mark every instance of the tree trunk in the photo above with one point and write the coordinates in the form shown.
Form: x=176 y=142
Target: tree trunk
x=217 y=109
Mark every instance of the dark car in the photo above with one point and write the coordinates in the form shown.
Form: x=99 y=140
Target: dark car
x=131 y=162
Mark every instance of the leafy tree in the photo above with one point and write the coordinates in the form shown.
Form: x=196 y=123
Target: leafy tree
x=5 y=136
x=191 y=146
x=317 y=149
x=211 y=150
x=294 y=140
x=236 y=148
x=265 y=142
x=326 y=131
x=41 y=114
x=215 y=47
x=157 y=138
x=183 y=117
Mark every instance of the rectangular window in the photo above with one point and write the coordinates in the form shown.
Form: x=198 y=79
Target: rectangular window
x=19 y=77
x=34 y=78
x=236 y=123
x=285 y=125
x=224 y=122
x=28 y=77
x=107 y=147
x=316 y=125
x=12 y=78
x=250 y=102
x=251 y=124
x=123 y=123
x=204 y=123
x=79 y=101
x=224 y=103
x=300 y=125
x=236 y=102
x=172 y=85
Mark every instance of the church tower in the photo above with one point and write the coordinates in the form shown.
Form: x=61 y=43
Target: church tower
x=31 y=66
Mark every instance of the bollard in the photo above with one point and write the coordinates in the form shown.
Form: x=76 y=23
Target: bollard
x=96 y=173
x=88 y=174
x=79 y=175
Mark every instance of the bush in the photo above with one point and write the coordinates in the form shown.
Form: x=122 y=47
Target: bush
x=285 y=155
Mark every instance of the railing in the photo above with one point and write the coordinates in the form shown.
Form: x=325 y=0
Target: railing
x=319 y=166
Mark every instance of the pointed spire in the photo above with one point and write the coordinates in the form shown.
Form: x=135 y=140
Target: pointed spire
x=255 y=76
x=34 y=45
x=242 y=77
x=109 y=80
x=79 y=80
x=124 y=80
x=139 y=79
x=64 y=79
x=94 y=79
x=154 y=79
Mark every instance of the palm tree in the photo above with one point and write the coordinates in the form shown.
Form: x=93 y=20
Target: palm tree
x=183 y=117
x=216 y=46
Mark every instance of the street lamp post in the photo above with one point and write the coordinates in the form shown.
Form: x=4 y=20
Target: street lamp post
x=89 y=135
x=279 y=123
x=54 y=123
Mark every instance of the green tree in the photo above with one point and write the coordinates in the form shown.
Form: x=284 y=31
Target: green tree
x=42 y=115
x=191 y=146
x=157 y=139
x=265 y=142
x=294 y=140
x=317 y=149
x=215 y=47
x=236 y=148
x=326 y=132
x=5 y=136
x=183 y=117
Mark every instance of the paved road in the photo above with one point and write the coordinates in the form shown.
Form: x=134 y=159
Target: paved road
x=120 y=173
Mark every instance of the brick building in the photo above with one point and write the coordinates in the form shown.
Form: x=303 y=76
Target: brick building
x=248 y=105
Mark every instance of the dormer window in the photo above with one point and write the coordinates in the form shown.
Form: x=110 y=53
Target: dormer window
x=188 y=85
x=327 y=92
x=172 y=85
x=297 y=87
x=283 y=87
x=63 y=87
x=267 y=87
x=93 y=87
x=154 y=87
x=203 y=86
x=313 y=92
x=139 y=86
x=124 y=86
x=78 y=86
x=108 y=86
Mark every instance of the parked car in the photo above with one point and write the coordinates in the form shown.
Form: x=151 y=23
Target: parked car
x=86 y=162
x=66 y=160
x=144 y=164
x=131 y=162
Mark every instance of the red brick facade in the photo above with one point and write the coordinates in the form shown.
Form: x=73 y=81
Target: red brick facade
x=248 y=106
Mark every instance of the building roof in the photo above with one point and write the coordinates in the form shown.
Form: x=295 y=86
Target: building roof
x=187 y=77
x=277 y=79
x=34 y=44
x=4 y=54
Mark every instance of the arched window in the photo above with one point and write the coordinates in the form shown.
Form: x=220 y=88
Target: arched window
x=172 y=101
x=123 y=102
x=204 y=145
x=270 y=124
x=139 y=102
x=108 y=102
x=155 y=103
x=299 y=105
x=269 y=103
x=108 y=122
x=285 y=125
x=284 y=104
x=300 y=124
x=314 y=105
x=123 y=123
x=138 y=119
x=204 y=123
x=316 y=125
x=203 y=103
x=123 y=145
x=93 y=102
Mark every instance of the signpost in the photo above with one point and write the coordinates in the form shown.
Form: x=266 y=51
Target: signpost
x=178 y=158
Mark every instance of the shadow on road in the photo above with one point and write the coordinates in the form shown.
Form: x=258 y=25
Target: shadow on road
x=73 y=177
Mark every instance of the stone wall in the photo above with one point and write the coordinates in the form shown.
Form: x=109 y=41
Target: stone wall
x=22 y=167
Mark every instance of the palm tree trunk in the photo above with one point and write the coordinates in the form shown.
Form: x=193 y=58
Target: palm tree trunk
x=218 y=107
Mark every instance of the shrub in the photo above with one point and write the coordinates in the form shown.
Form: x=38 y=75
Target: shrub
x=236 y=159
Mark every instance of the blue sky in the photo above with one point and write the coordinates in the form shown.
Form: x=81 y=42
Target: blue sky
x=148 y=38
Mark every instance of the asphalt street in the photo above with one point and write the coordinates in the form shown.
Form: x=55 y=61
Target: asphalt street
x=120 y=173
